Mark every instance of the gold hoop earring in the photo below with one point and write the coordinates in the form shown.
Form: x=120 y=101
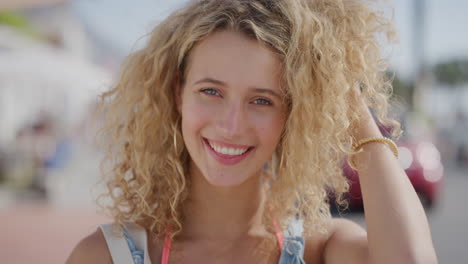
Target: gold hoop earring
x=274 y=163
x=174 y=135
x=175 y=130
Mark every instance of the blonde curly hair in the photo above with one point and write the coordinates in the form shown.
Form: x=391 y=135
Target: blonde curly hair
x=327 y=49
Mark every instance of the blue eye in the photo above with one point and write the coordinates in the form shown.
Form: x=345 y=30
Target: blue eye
x=210 y=91
x=262 y=101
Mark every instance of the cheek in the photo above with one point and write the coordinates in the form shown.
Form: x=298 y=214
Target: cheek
x=269 y=129
x=195 y=115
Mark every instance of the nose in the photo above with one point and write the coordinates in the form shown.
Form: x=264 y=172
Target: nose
x=232 y=121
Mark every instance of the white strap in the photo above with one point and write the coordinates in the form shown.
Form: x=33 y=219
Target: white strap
x=118 y=246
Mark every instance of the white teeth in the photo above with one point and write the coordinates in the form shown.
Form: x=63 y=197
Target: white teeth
x=228 y=151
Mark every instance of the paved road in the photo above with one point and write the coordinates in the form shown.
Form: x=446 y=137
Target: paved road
x=448 y=220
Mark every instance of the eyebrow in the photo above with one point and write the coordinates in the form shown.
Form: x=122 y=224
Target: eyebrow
x=256 y=89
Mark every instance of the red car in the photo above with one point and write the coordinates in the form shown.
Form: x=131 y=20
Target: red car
x=421 y=162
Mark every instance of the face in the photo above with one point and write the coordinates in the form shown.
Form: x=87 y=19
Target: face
x=231 y=107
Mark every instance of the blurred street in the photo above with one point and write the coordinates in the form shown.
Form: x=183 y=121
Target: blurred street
x=55 y=231
x=448 y=219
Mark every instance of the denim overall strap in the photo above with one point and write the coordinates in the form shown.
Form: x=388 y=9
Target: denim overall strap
x=129 y=248
x=293 y=249
x=138 y=255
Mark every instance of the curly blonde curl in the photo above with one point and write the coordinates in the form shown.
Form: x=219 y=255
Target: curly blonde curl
x=327 y=49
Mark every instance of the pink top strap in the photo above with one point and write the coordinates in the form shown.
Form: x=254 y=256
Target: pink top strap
x=167 y=247
x=279 y=234
x=167 y=242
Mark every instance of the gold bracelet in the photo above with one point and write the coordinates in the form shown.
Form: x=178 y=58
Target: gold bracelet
x=358 y=147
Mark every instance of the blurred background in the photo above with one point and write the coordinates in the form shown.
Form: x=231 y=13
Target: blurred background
x=57 y=56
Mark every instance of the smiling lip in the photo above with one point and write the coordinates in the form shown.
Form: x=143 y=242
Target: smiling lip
x=227 y=159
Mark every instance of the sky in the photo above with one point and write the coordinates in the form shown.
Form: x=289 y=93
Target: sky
x=124 y=23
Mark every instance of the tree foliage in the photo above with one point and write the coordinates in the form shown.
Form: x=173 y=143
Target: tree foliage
x=402 y=89
x=452 y=73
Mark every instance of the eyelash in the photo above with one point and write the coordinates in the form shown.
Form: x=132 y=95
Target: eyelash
x=213 y=92
x=264 y=101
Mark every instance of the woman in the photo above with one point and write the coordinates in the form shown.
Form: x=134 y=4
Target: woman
x=229 y=128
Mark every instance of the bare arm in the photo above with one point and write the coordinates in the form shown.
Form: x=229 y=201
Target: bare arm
x=397 y=227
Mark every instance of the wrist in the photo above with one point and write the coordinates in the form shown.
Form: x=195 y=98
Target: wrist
x=368 y=145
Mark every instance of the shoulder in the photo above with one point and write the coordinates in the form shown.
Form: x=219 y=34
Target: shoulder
x=343 y=236
x=91 y=249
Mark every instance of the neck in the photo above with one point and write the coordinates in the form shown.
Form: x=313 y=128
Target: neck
x=223 y=213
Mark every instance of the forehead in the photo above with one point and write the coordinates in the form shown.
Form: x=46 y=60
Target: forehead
x=235 y=59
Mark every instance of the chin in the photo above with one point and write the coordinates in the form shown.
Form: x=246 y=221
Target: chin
x=224 y=180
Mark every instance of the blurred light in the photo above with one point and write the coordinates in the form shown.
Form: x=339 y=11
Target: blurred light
x=405 y=157
x=428 y=156
x=434 y=175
